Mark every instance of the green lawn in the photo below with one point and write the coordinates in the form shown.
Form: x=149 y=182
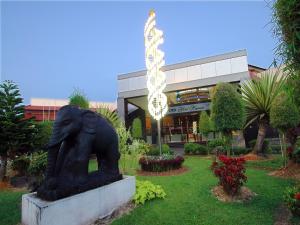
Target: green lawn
x=275 y=163
x=188 y=201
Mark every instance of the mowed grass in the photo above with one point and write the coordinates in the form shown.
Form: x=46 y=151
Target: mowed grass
x=188 y=201
x=276 y=162
x=10 y=207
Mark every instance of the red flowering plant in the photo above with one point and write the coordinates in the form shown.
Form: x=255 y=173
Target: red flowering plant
x=231 y=173
x=292 y=199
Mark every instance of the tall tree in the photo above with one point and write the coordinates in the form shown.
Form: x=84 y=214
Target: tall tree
x=15 y=131
x=228 y=113
x=258 y=95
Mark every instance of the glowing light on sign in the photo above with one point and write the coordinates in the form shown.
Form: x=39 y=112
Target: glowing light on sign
x=156 y=79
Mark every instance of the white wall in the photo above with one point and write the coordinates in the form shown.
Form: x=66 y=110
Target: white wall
x=190 y=73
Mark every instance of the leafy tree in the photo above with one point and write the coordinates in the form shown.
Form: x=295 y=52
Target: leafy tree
x=42 y=137
x=78 y=98
x=284 y=115
x=136 y=129
x=228 y=113
x=205 y=126
x=259 y=95
x=286 y=19
x=15 y=131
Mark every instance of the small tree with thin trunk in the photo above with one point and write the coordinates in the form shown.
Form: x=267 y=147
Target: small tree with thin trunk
x=228 y=112
x=136 y=129
x=204 y=124
x=15 y=131
x=284 y=115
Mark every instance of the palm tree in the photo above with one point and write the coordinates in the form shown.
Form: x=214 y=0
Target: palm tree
x=258 y=96
x=110 y=115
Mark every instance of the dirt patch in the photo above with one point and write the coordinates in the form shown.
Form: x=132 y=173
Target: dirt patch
x=254 y=157
x=123 y=210
x=282 y=216
x=292 y=171
x=244 y=195
x=165 y=173
x=4 y=185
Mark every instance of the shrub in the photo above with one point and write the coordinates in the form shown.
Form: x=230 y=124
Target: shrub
x=240 y=150
x=276 y=149
x=110 y=115
x=295 y=156
x=165 y=150
x=231 y=173
x=292 y=199
x=43 y=135
x=145 y=190
x=136 y=130
x=21 y=164
x=266 y=145
x=216 y=143
x=38 y=163
x=161 y=163
x=194 y=148
x=78 y=98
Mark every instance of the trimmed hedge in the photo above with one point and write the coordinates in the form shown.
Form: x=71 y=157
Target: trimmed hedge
x=161 y=163
x=194 y=148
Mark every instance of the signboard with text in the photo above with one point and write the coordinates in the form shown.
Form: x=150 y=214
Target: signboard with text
x=189 y=108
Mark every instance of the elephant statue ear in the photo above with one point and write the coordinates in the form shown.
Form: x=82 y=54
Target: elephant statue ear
x=89 y=121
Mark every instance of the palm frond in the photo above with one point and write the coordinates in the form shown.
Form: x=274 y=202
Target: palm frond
x=259 y=94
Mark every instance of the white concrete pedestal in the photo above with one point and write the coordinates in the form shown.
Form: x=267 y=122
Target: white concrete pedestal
x=80 y=209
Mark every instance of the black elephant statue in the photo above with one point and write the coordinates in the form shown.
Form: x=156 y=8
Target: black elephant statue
x=77 y=133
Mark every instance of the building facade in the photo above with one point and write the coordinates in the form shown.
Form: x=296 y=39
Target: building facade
x=44 y=109
x=188 y=89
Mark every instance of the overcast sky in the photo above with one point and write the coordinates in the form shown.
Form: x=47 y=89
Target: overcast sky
x=50 y=48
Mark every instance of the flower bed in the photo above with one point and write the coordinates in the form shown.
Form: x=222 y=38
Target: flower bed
x=161 y=163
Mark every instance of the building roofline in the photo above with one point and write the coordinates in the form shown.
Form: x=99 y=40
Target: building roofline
x=189 y=63
x=257 y=67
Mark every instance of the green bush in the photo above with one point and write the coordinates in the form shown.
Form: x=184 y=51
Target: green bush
x=216 y=143
x=236 y=150
x=43 y=135
x=194 y=148
x=165 y=150
x=136 y=130
x=38 y=163
x=21 y=164
x=78 y=98
x=276 y=149
x=296 y=155
x=145 y=190
x=266 y=145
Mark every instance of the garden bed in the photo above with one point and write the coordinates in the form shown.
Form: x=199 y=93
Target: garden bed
x=244 y=195
x=161 y=163
x=179 y=171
